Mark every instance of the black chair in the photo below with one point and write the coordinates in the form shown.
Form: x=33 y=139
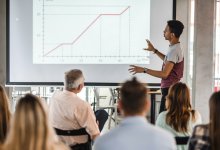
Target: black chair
x=182 y=140
x=82 y=131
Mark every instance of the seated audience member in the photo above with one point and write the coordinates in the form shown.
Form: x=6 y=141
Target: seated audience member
x=134 y=132
x=5 y=114
x=179 y=118
x=69 y=112
x=207 y=136
x=30 y=129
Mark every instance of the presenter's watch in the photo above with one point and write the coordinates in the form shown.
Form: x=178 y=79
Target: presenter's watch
x=145 y=70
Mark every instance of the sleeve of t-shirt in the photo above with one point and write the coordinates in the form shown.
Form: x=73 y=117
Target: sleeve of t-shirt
x=172 y=56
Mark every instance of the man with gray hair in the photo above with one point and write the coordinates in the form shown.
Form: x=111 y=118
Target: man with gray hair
x=68 y=112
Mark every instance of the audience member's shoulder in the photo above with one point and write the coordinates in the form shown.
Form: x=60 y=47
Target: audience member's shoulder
x=197 y=116
x=57 y=93
x=166 y=138
x=83 y=102
x=161 y=118
x=201 y=127
x=197 y=113
x=107 y=136
x=162 y=132
x=162 y=114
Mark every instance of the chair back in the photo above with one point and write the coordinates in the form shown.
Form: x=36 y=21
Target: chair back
x=82 y=131
x=182 y=140
x=78 y=132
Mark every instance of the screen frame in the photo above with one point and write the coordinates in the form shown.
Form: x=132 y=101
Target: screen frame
x=8 y=81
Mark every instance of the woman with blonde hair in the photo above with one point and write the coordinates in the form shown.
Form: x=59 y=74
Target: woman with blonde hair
x=30 y=129
x=179 y=118
x=5 y=114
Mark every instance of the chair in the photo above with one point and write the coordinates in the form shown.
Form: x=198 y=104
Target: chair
x=82 y=131
x=110 y=106
x=182 y=140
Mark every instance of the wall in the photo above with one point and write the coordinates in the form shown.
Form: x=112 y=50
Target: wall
x=203 y=72
x=203 y=50
x=3 y=48
x=183 y=6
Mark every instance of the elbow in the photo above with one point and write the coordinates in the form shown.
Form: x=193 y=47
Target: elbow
x=93 y=137
x=165 y=75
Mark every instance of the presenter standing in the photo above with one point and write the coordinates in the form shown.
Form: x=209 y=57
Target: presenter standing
x=173 y=61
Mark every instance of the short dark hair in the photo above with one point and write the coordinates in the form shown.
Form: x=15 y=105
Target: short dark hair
x=133 y=96
x=175 y=27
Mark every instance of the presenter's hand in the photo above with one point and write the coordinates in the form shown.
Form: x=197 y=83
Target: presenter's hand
x=135 y=69
x=150 y=46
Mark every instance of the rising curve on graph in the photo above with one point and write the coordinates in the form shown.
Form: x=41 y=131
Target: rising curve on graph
x=86 y=29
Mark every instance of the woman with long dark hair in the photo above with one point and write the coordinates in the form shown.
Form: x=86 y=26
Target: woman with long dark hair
x=179 y=118
x=207 y=136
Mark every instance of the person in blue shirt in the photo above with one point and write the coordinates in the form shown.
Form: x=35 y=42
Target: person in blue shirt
x=134 y=132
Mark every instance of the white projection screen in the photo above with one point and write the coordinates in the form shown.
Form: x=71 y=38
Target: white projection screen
x=46 y=38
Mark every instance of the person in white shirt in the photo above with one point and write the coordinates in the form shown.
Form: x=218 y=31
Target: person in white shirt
x=179 y=118
x=67 y=111
x=134 y=132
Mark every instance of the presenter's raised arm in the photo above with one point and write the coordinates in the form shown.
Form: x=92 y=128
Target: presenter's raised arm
x=151 y=48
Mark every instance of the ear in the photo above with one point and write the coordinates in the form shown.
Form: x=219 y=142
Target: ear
x=79 y=88
x=120 y=105
x=147 y=105
x=173 y=35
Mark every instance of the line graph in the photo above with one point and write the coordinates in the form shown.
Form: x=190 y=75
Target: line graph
x=65 y=32
x=100 y=15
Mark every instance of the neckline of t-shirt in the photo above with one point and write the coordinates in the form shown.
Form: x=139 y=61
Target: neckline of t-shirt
x=174 y=44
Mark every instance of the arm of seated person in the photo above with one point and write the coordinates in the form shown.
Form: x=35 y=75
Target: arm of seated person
x=198 y=118
x=93 y=137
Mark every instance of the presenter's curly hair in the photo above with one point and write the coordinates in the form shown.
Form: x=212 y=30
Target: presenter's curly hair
x=133 y=95
x=179 y=107
x=30 y=128
x=5 y=114
x=175 y=27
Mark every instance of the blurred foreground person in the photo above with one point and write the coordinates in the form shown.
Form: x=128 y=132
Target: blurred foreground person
x=134 y=132
x=207 y=136
x=30 y=129
x=5 y=114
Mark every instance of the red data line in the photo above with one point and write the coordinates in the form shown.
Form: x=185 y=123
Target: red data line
x=86 y=29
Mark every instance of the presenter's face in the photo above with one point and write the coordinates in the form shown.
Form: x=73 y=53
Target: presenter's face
x=167 y=33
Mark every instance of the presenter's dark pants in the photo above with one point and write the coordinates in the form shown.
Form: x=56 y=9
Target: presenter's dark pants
x=101 y=117
x=164 y=92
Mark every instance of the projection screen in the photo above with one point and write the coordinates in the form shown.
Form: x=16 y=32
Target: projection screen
x=46 y=38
